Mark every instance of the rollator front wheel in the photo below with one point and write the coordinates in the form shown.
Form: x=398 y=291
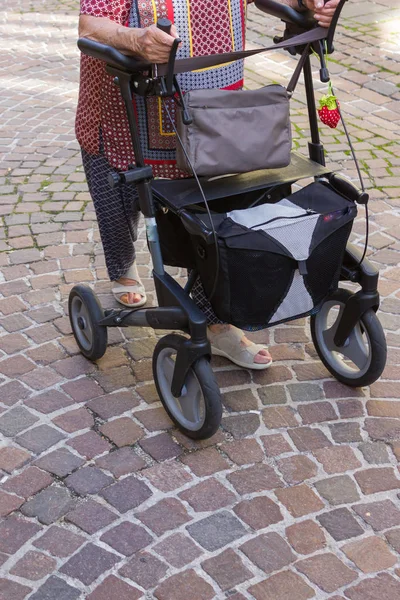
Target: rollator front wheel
x=362 y=359
x=198 y=411
x=85 y=313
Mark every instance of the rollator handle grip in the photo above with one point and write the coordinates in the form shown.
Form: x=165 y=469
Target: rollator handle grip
x=165 y=25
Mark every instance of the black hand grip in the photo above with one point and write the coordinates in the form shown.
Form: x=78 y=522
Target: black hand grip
x=165 y=25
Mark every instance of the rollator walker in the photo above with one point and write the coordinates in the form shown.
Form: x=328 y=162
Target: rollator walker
x=346 y=332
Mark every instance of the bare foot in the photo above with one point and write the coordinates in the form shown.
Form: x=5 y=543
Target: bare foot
x=263 y=357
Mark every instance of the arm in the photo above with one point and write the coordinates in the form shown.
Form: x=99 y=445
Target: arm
x=150 y=43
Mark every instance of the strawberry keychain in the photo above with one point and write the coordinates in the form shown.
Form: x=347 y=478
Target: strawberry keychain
x=329 y=109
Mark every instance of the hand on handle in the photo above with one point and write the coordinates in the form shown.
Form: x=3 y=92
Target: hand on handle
x=323 y=11
x=154 y=43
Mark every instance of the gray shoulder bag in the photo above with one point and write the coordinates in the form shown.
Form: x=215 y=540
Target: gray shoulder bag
x=237 y=131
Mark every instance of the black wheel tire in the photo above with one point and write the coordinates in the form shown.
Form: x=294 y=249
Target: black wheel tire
x=371 y=326
x=94 y=345
x=209 y=388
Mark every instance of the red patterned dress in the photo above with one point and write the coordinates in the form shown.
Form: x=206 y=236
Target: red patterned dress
x=205 y=27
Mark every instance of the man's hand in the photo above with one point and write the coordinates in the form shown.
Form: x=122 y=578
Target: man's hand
x=323 y=13
x=153 y=44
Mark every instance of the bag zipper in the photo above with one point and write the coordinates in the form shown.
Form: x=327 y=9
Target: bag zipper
x=309 y=212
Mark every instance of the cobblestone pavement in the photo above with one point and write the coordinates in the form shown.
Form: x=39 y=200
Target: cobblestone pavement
x=296 y=497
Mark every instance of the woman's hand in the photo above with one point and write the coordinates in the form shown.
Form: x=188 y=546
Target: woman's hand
x=153 y=44
x=323 y=13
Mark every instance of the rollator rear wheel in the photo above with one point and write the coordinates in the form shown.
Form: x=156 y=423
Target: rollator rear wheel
x=85 y=313
x=198 y=411
x=362 y=359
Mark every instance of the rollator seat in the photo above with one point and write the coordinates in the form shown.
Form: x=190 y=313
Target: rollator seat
x=180 y=193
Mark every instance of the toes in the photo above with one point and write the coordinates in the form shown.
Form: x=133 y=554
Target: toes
x=263 y=357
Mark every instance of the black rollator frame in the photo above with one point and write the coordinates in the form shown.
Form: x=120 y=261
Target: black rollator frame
x=176 y=310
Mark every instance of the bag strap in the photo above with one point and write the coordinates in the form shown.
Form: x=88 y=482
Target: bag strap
x=195 y=63
x=297 y=72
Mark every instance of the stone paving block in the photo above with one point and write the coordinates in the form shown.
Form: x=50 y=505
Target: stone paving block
x=296 y=469
x=74 y=420
x=88 y=480
x=154 y=419
x=165 y=515
x=299 y=500
x=111 y=405
x=13 y=590
x=282 y=586
x=307 y=439
x=13 y=392
x=269 y=552
x=121 y=462
x=205 y=462
x=216 y=531
x=375 y=452
x=275 y=444
x=161 y=447
x=122 y=432
x=178 y=550
x=39 y=438
x=209 y=495
x=376 y=480
x=241 y=426
x=346 y=432
x=15 y=532
x=338 y=490
x=16 y=420
x=60 y=462
x=306 y=537
x=243 y=452
x=82 y=390
x=126 y=494
x=144 y=569
x=382 y=586
x=240 y=400
x=258 y=512
x=90 y=444
x=113 y=588
x=184 y=585
x=49 y=505
x=337 y=459
x=12 y=458
x=167 y=476
x=59 y=541
x=89 y=563
x=9 y=503
x=227 y=569
x=327 y=571
x=90 y=516
x=34 y=566
x=28 y=483
x=380 y=515
x=254 y=479
x=341 y=524
x=370 y=554
x=49 y=402
x=127 y=538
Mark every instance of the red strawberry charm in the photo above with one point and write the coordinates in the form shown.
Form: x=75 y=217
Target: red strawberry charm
x=328 y=110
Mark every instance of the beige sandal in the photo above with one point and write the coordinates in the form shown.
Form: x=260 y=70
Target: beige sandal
x=119 y=289
x=227 y=344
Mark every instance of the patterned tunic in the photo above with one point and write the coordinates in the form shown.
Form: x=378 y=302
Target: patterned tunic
x=205 y=27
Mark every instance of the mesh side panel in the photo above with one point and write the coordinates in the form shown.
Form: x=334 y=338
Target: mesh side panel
x=324 y=264
x=258 y=282
x=296 y=302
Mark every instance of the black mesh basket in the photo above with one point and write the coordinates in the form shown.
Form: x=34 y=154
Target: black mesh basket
x=275 y=262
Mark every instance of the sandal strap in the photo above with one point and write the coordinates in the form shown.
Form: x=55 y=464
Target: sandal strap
x=138 y=288
x=229 y=342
